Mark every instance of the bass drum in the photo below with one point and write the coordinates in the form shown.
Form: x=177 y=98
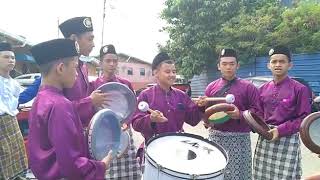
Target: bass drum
x=173 y=156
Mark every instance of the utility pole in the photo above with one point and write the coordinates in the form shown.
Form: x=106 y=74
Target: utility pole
x=103 y=17
x=58 y=27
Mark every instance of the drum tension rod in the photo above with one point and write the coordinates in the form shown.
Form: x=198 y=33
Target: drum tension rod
x=159 y=169
x=194 y=176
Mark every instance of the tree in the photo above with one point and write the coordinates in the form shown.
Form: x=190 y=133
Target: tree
x=198 y=29
x=195 y=29
x=300 y=28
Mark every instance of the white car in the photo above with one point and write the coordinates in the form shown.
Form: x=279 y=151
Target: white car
x=27 y=79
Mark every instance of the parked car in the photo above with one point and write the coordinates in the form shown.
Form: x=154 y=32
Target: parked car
x=260 y=80
x=180 y=83
x=27 y=79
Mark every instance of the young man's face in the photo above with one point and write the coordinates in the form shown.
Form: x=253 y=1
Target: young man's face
x=279 y=65
x=7 y=61
x=69 y=72
x=166 y=74
x=86 y=43
x=109 y=63
x=228 y=67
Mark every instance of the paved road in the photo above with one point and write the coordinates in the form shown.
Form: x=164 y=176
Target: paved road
x=310 y=161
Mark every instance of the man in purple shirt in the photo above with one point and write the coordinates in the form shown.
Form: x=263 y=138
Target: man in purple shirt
x=80 y=29
x=172 y=106
x=127 y=166
x=57 y=145
x=234 y=134
x=284 y=103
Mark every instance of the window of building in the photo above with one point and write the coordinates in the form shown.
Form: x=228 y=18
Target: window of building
x=130 y=71
x=142 y=72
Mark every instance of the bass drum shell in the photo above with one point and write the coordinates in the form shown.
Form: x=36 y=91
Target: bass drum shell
x=175 y=156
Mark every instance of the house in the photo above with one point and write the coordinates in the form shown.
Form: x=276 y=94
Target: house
x=137 y=71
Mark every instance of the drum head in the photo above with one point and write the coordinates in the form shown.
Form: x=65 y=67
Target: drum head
x=257 y=124
x=216 y=114
x=309 y=131
x=123 y=102
x=104 y=134
x=186 y=154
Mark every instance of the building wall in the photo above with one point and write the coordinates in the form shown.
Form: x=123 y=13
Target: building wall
x=137 y=78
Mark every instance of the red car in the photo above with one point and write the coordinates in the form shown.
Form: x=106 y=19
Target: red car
x=180 y=83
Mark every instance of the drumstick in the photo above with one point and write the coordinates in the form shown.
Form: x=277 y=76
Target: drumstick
x=144 y=107
x=229 y=98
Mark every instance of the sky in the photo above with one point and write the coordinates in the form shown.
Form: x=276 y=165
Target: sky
x=131 y=25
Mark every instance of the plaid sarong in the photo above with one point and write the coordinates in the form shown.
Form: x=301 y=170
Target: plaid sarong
x=13 y=159
x=278 y=160
x=127 y=167
x=238 y=148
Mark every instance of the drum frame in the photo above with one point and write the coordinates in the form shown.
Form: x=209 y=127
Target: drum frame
x=127 y=148
x=125 y=116
x=304 y=132
x=221 y=107
x=257 y=124
x=171 y=172
x=90 y=129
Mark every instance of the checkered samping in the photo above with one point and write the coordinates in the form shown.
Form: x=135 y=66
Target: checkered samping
x=127 y=167
x=238 y=148
x=280 y=159
x=13 y=159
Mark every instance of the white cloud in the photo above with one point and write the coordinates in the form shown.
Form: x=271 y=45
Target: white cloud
x=132 y=26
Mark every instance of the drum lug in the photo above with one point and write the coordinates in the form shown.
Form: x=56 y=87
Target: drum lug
x=159 y=169
x=194 y=176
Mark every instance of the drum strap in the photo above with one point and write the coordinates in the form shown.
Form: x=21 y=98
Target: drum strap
x=225 y=88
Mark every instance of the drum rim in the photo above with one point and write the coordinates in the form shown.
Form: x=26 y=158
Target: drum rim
x=257 y=124
x=211 y=175
x=217 y=108
x=90 y=129
x=304 y=132
x=129 y=90
x=127 y=148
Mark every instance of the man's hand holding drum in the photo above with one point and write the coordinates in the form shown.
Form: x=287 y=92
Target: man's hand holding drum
x=99 y=99
x=107 y=160
x=235 y=114
x=275 y=134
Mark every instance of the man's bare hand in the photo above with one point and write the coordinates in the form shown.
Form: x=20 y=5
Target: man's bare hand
x=275 y=134
x=157 y=116
x=107 y=160
x=235 y=114
x=201 y=102
x=99 y=99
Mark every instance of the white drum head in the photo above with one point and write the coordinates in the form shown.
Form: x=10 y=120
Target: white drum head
x=187 y=154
